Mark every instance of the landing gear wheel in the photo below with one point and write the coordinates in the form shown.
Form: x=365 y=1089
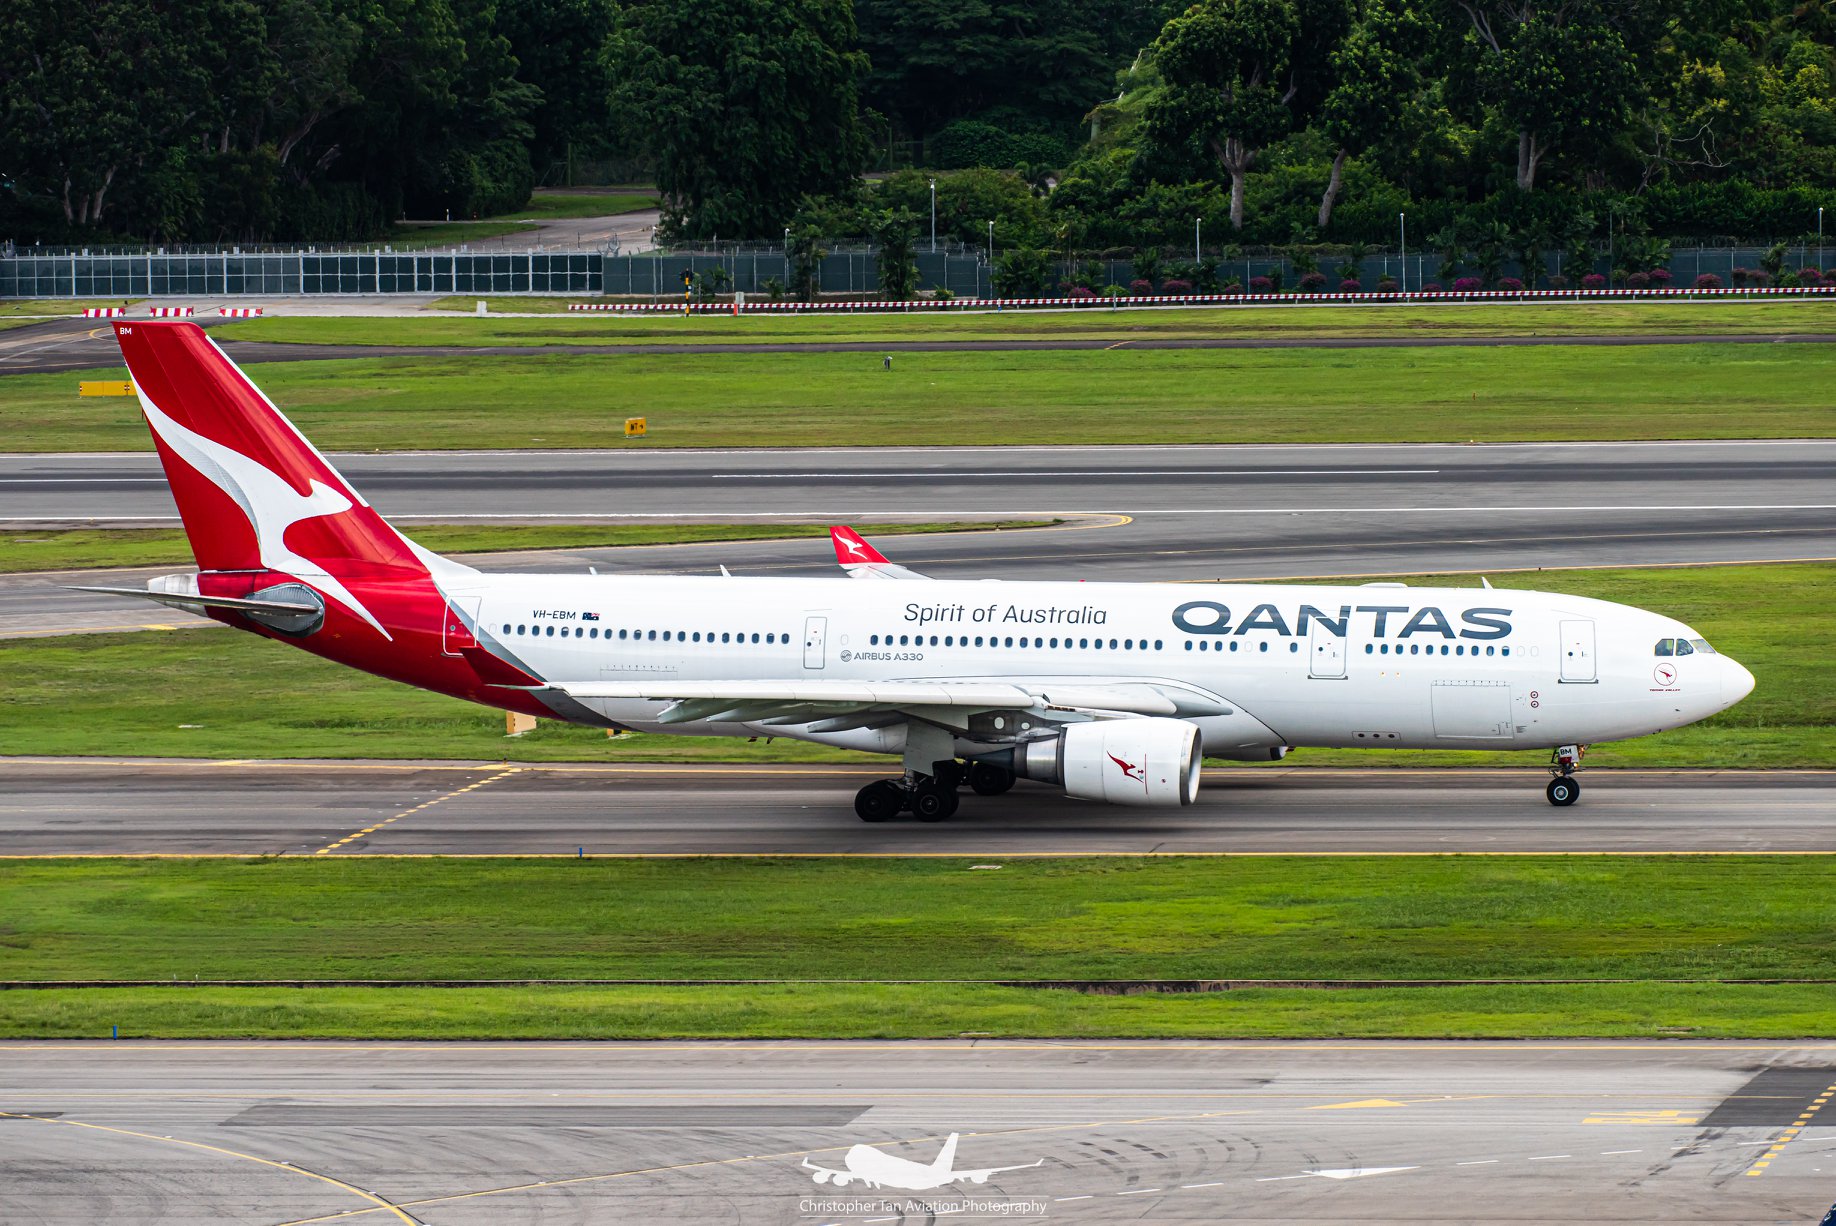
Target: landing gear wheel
x=1563 y=791
x=988 y=780
x=879 y=801
x=931 y=803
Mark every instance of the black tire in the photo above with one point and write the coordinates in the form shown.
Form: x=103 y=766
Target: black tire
x=933 y=804
x=1563 y=791
x=986 y=779
x=879 y=801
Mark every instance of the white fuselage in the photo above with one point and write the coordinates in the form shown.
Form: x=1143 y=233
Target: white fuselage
x=1377 y=665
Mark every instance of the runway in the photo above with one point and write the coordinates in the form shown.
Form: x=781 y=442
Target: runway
x=86 y=806
x=1112 y=1131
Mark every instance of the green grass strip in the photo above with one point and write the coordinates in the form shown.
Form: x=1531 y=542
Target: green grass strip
x=25 y=549
x=1607 y=1011
x=1270 y=918
x=1105 y=396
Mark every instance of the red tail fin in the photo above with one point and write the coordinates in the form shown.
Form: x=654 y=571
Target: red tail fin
x=253 y=493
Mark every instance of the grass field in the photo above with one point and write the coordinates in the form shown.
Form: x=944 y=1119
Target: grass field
x=1119 y=396
x=559 y=205
x=78 y=548
x=420 y=236
x=922 y=1012
x=1295 y=322
x=55 y=306
x=251 y=697
x=1645 y=919
x=1279 y=918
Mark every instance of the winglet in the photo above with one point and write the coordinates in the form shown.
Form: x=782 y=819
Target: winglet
x=850 y=549
x=861 y=560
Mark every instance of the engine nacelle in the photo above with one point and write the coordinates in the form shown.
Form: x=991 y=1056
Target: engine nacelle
x=1122 y=761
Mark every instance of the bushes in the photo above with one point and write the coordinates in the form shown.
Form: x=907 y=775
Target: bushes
x=1708 y=280
x=1558 y=281
x=1511 y=285
x=1468 y=285
x=1593 y=280
x=1812 y=278
x=1176 y=286
x=1387 y=285
x=1660 y=278
x=1351 y=285
x=1262 y=285
x=1312 y=282
x=1638 y=280
x=967 y=143
x=1140 y=286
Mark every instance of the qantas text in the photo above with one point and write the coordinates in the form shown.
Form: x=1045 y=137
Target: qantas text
x=1381 y=620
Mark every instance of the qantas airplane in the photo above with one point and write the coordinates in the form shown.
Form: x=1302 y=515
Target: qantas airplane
x=877 y=1170
x=1112 y=692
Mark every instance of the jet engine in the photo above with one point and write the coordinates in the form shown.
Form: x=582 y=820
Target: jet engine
x=1122 y=761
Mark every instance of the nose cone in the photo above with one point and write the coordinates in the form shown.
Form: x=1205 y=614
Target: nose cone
x=1736 y=681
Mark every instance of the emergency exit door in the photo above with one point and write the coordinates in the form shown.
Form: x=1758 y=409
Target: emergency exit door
x=1327 y=660
x=1578 y=650
x=815 y=632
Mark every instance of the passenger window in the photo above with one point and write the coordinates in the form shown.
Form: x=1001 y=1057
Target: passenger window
x=903 y=641
x=1684 y=649
x=1156 y=644
x=1293 y=647
x=755 y=638
x=1665 y=647
x=1188 y=644
x=1263 y=645
x=1233 y=644
x=551 y=632
x=1368 y=649
x=653 y=636
x=1504 y=651
x=519 y=629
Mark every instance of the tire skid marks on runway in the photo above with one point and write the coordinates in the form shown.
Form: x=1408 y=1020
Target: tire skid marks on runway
x=426 y=804
x=378 y=1203
x=1792 y=1133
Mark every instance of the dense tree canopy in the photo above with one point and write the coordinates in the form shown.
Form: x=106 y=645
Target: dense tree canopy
x=1072 y=124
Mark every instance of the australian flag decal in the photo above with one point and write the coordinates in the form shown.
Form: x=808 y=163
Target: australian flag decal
x=589 y=617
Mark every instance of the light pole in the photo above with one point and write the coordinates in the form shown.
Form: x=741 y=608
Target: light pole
x=991 y=259
x=933 y=216
x=1195 y=242
x=1402 y=236
x=1820 y=238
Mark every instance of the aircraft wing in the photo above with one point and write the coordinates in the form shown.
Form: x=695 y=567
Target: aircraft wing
x=983 y=1175
x=839 y=705
x=863 y=561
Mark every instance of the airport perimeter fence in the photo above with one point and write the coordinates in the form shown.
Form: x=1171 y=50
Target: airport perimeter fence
x=752 y=269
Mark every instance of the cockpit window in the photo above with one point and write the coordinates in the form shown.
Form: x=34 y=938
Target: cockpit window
x=1666 y=647
x=1702 y=645
x=1684 y=649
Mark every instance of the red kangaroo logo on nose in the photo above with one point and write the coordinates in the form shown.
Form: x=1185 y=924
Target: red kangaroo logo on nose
x=1128 y=769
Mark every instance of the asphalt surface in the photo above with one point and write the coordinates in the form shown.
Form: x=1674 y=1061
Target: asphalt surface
x=1133 y=513
x=718 y=1132
x=54 y=807
x=84 y=344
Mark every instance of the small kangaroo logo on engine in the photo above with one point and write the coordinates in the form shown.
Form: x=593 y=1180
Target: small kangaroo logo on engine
x=1129 y=769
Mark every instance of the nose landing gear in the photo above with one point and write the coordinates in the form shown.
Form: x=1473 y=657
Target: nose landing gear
x=1565 y=789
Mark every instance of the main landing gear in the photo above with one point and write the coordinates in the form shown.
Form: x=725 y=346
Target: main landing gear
x=932 y=797
x=1565 y=789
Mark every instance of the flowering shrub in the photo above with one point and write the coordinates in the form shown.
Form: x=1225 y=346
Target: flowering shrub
x=1233 y=286
x=1176 y=287
x=1812 y=277
x=1759 y=278
x=1350 y=286
x=1433 y=287
x=1312 y=282
x=1081 y=291
x=1139 y=286
x=1708 y=280
x=1660 y=278
x=1638 y=280
x=1467 y=285
x=1262 y=285
x=1558 y=282
x=1511 y=285
x=1593 y=280
x=1740 y=275
x=1387 y=285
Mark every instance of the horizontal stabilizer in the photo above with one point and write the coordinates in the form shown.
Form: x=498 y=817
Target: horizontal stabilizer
x=179 y=600
x=861 y=560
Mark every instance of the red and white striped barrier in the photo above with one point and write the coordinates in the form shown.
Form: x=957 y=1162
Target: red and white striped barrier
x=169 y=312
x=103 y=312
x=239 y=312
x=1163 y=300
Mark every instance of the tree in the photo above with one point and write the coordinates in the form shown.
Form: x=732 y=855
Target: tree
x=746 y=105
x=557 y=46
x=1233 y=69
x=807 y=254
x=897 y=236
x=1557 y=70
x=1376 y=72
